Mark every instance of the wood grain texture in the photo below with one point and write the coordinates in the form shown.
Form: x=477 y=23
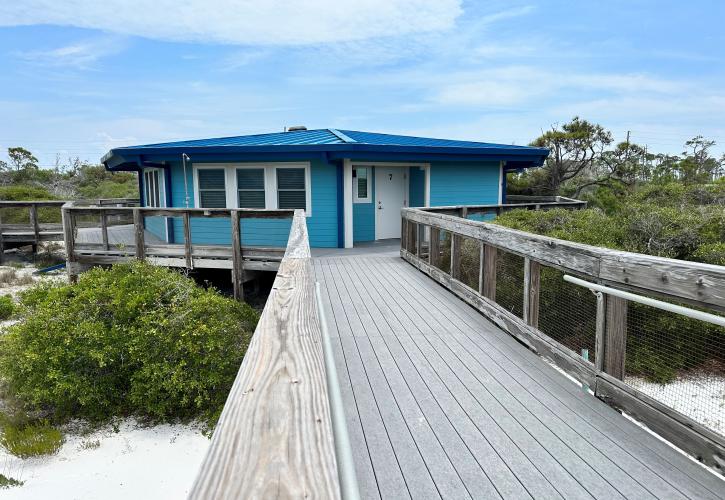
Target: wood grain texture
x=274 y=437
x=691 y=282
x=138 y=232
x=237 y=262
x=615 y=336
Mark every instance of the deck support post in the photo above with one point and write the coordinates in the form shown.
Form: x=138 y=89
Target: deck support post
x=489 y=272
x=36 y=226
x=532 y=281
x=615 y=338
x=69 y=237
x=187 y=241
x=104 y=230
x=434 y=250
x=139 y=234
x=237 y=262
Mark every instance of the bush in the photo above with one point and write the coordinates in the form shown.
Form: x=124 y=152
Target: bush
x=132 y=340
x=32 y=440
x=711 y=253
x=7 y=482
x=7 y=307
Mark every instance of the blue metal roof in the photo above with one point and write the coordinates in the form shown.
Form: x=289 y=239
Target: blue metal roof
x=333 y=144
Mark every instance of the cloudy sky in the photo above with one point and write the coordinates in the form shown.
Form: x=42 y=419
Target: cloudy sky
x=81 y=76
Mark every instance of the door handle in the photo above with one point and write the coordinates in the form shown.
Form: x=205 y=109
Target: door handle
x=380 y=206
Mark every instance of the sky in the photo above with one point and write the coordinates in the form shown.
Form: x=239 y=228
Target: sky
x=79 y=77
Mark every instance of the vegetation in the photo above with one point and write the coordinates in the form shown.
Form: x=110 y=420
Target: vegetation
x=31 y=440
x=657 y=204
x=21 y=178
x=7 y=482
x=135 y=339
x=7 y=307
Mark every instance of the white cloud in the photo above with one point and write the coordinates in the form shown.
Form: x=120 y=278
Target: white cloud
x=81 y=55
x=268 y=22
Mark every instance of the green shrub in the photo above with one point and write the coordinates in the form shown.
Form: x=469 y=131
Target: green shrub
x=7 y=307
x=31 y=440
x=7 y=482
x=132 y=340
x=711 y=253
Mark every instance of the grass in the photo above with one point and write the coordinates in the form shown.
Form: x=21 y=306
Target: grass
x=7 y=307
x=29 y=439
x=89 y=444
x=11 y=277
x=7 y=482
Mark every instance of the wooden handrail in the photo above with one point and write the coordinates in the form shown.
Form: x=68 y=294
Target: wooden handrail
x=702 y=285
x=274 y=437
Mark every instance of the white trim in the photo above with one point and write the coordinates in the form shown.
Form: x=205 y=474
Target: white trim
x=426 y=186
x=270 y=181
x=500 y=182
x=347 y=202
x=162 y=193
x=355 y=197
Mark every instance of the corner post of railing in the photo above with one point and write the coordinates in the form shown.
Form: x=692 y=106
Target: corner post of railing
x=69 y=239
x=615 y=336
x=139 y=237
x=404 y=230
x=532 y=281
x=237 y=261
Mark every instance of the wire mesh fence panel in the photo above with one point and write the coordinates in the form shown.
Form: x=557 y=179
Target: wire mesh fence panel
x=470 y=262
x=510 y=282
x=678 y=361
x=567 y=312
x=444 y=258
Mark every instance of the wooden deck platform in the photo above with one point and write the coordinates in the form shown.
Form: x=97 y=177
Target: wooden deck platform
x=440 y=403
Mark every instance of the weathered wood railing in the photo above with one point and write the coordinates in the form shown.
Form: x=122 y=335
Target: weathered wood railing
x=512 y=203
x=274 y=438
x=43 y=221
x=94 y=246
x=700 y=285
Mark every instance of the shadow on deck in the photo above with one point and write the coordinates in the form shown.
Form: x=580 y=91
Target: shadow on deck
x=440 y=402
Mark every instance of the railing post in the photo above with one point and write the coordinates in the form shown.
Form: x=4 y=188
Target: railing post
x=104 y=230
x=456 y=241
x=410 y=236
x=419 y=234
x=615 y=338
x=532 y=280
x=2 y=241
x=237 y=262
x=36 y=226
x=69 y=237
x=489 y=272
x=599 y=332
x=187 y=241
x=139 y=234
x=481 y=257
x=404 y=232
x=434 y=251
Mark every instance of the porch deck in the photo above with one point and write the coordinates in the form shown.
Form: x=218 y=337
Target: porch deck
x=441 y=403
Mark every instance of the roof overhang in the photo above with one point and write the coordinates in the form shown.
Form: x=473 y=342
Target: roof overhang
x=515 y=157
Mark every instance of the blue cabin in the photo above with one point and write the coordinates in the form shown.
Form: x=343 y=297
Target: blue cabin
x=351 y=184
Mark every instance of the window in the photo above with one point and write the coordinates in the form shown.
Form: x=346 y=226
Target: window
x=361 y=184
x=291 y=188
x=152 y=179
x=250 y=188
x=212 y=188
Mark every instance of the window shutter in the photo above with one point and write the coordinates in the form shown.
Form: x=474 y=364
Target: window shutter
x=250 y=187
x=291 y=189
x=212 y=189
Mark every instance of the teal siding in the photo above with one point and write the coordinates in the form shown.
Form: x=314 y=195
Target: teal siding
x=363 y=216
x=322 y=224
x=416 y=187
x=457 y=183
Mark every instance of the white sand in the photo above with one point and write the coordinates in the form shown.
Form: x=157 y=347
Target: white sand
x=157 y=462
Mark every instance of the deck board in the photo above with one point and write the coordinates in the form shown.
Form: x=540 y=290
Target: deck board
x=441 y=403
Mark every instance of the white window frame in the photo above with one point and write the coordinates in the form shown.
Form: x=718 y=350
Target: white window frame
x=270 y=181
x=369 y=197
x=147 y=177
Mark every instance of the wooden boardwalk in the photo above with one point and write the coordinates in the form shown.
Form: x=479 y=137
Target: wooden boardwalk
x=440 y=403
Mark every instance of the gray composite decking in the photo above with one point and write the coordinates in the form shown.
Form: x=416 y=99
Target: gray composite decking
x=441 y=403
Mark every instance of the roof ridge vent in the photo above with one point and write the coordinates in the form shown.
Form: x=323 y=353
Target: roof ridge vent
x=296 y=128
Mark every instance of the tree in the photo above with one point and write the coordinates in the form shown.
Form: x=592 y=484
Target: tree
x=620 y=167
x=574 y=149
x=22 y=159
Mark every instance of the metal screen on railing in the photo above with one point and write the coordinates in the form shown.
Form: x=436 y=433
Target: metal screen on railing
x=567 y=312
x=679 y=361
x=510 y=282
